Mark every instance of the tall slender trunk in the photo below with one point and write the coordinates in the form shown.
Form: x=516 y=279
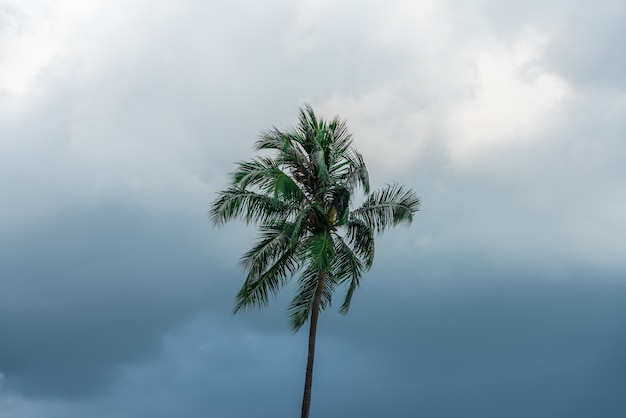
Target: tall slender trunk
x=308 y=379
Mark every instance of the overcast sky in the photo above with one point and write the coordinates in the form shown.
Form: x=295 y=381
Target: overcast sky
x=120 y=120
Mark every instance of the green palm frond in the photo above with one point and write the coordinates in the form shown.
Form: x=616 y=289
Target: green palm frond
x=270 y=263
x=251 y=207
x=257 y=172
x=308 y=119
x=320 y=251
x=256 y=291
x=346 y=163
x=308 y=125
x=266 y=174
x=361 y=238
x=300 y=306
x=348 y=268
x=321 y=167
x=387 y=207
x=357 y=174
x=274 y=241
x=274 y=139
x=304 y=220
x=291 y=154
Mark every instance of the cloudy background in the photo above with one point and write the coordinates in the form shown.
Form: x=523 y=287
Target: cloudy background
x=119 y=120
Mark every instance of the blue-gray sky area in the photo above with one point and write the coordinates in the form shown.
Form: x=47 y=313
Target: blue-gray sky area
x=120 y=120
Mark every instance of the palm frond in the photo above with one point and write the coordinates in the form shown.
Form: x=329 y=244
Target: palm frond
x=237 y=203
x=321 y=168
x=270 y=264
x=361 y=237
x=357 y=174
x=274 y=240
x=307 y=117
x=320 y=251
x=256 y=292
x=303 y=219
x=300 y=306
x=308 y=125
x=266 y=174
x=348 y=268
x=254 y=172
x=288 y=145
x=275 y=139
x=387 y=207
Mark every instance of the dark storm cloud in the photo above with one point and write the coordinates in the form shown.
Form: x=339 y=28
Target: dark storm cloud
x=468 y=346
x=95 y=289
x=488 y=348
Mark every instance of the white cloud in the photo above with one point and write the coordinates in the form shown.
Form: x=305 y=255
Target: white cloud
x=38 y=35
x=512 y=96
x=386 y=129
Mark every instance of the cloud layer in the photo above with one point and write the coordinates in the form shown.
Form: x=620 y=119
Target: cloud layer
x=120 y=121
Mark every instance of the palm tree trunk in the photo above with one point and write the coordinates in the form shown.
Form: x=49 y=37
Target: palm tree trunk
x=308 y=379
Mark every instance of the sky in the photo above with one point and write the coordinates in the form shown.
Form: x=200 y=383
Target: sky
x=121 y=120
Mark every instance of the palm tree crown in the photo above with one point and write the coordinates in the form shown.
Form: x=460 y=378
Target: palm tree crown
x=300 y=198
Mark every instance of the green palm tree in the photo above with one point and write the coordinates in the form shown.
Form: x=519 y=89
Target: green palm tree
x=299 y=195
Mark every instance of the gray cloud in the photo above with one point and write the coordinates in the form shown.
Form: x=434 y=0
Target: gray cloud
x=583 y=41
x=117 y=129
x=472 y=346
x=94 y=290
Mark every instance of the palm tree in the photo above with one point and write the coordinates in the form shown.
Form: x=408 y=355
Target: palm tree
x=299 y=195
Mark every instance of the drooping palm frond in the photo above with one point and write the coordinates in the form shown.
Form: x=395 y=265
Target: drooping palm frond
x=274 y=241
x=319 y=252
x=351 y=172
x=257 y=172
x=270 y=263
x=357 y=174
x=387 y=207
x=361 y=238
x=251 y=207
x=277 y=140
x=300 y=307
x=348 y=267
x=256 y=291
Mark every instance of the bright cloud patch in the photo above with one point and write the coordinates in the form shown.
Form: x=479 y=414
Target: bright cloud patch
x=35 y=34
x=383 y=123
x=511 y=96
